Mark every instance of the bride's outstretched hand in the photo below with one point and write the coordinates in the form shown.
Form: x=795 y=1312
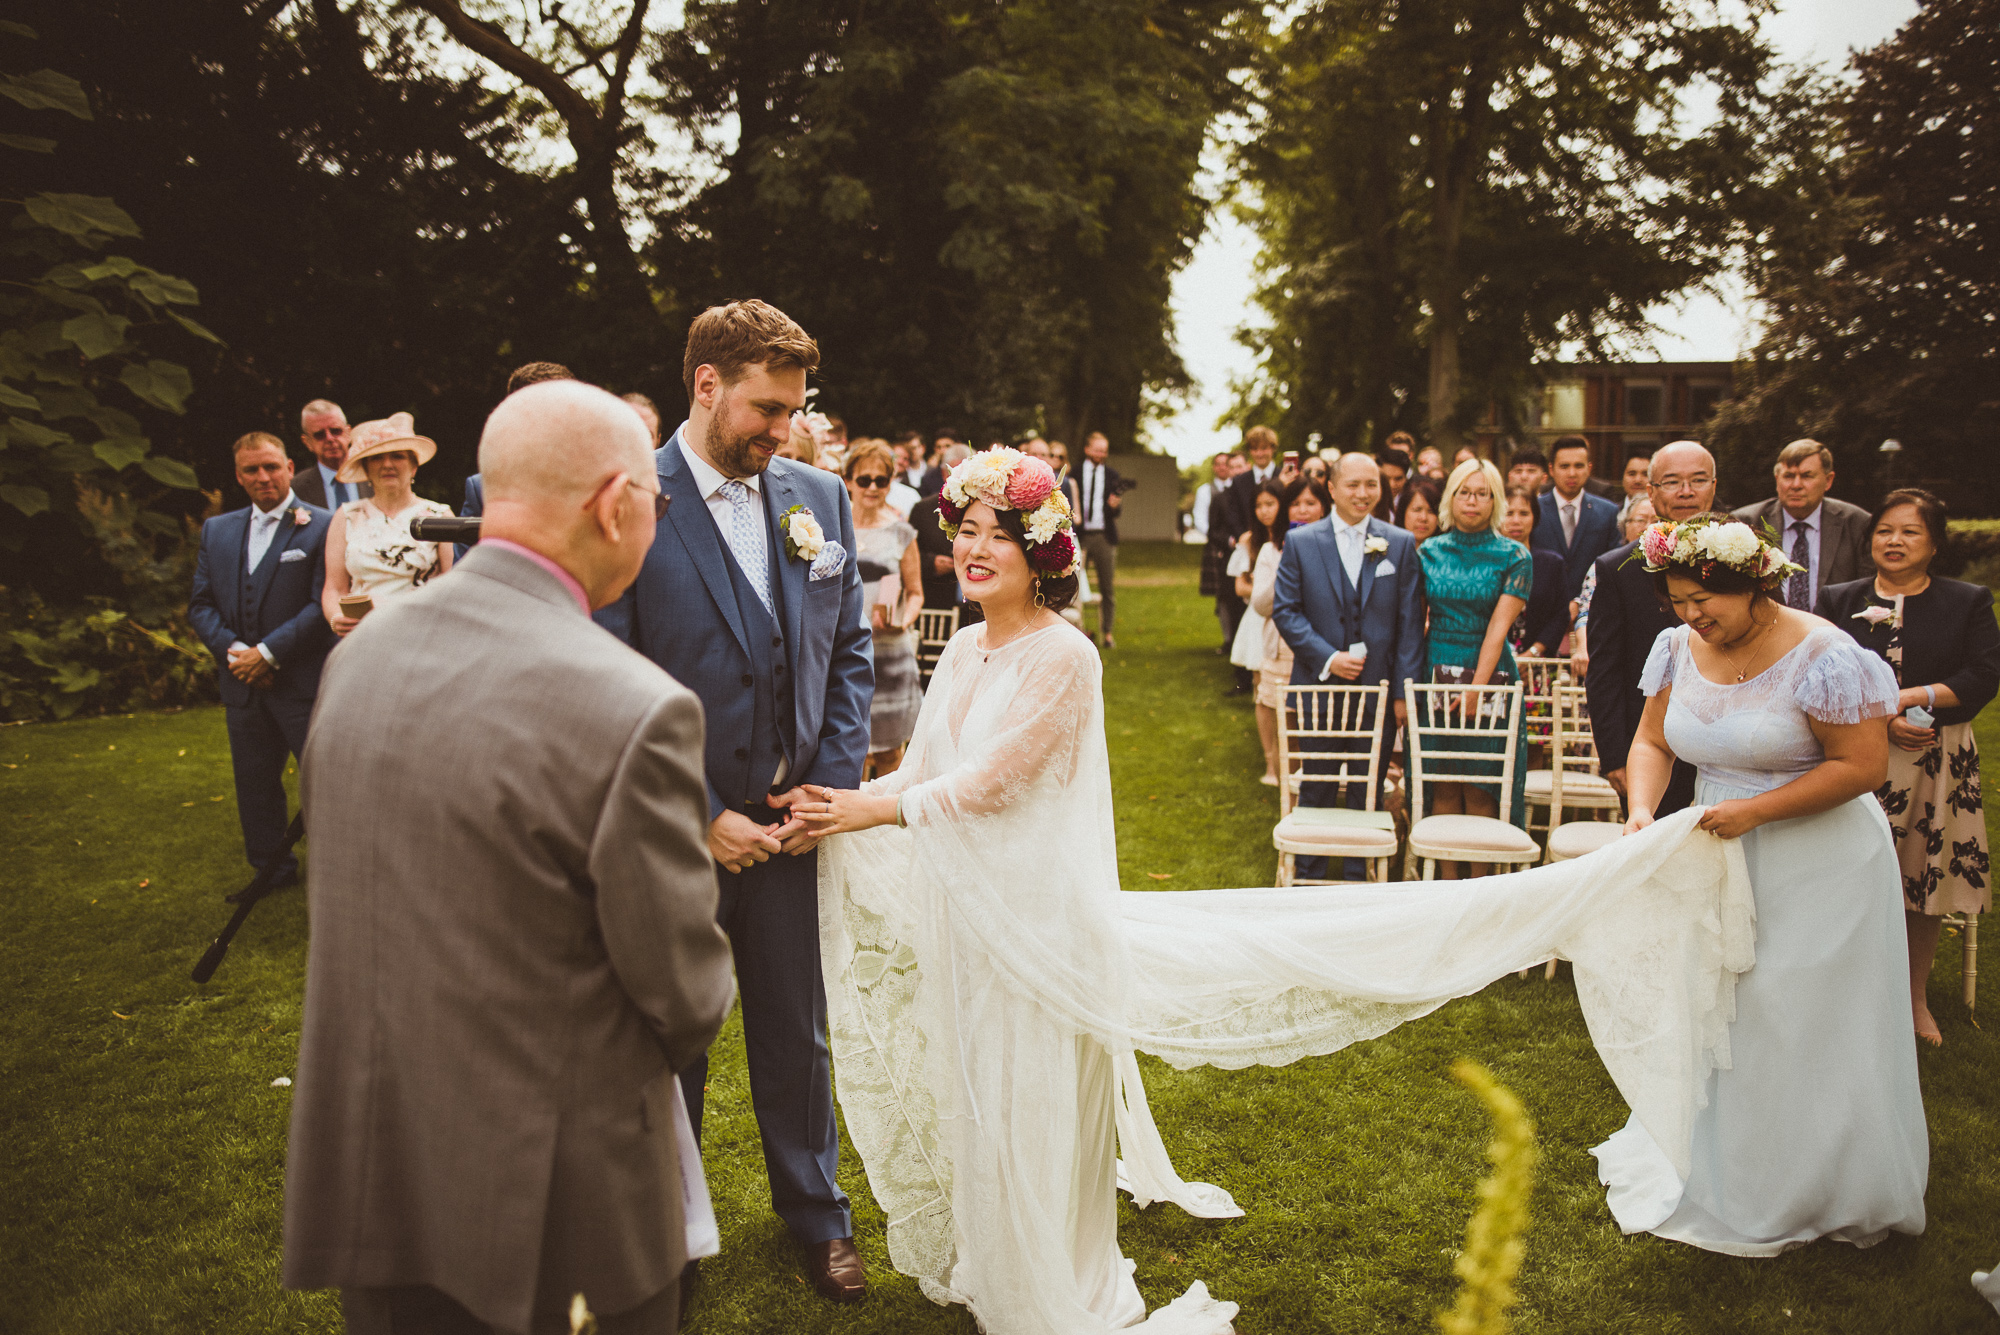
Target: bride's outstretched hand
x=843 y=810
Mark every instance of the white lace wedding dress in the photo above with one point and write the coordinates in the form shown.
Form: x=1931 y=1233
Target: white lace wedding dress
x=988 y=984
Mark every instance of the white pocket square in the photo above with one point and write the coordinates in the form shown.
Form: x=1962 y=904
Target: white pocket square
x=1387 y=567
x=832 y=559
x=291 y=555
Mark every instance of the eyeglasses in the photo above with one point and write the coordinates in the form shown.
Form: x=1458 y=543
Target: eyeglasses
x=660 y=500
x=872 y=482
x=328 y=432
x=1678 y=486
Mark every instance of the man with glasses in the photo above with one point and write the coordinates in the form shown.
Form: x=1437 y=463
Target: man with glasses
x=1626 y=617
x=323 y=428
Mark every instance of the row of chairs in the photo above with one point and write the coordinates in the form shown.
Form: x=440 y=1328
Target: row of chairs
x=1327 y=738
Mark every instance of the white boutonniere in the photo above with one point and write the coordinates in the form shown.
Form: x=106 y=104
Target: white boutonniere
x=1371 y=546
x=1875 y=616
x=803 y=536
x=301 y=516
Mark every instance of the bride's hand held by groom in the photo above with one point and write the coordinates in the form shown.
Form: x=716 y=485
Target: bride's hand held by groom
x=843 y=810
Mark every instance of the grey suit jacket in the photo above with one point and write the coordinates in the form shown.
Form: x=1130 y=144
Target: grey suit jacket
x=513 y=948
x=1843 y=541
x=310 y=487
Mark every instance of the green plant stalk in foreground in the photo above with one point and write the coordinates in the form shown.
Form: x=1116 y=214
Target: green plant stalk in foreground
x=1493 y=1245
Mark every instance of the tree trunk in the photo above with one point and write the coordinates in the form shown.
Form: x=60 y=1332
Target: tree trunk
x=1447 y=312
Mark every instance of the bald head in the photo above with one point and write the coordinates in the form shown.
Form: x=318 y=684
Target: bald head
x=568 y=472
x=1356 y=484
x=1683 y=480
x=558 y=440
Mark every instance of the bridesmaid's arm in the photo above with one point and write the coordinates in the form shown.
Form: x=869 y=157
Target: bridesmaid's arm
x=1857 y=761
x=1649 y=765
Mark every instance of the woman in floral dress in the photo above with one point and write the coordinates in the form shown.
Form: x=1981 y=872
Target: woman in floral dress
x=1940 y=638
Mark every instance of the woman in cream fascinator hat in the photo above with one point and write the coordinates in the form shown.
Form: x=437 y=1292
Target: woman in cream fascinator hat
x=370 y=554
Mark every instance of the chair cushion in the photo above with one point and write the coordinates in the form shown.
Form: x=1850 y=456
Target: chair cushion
x=1293 y=834
x=1579 y=837
x=1577 y=784
x=1449 y=836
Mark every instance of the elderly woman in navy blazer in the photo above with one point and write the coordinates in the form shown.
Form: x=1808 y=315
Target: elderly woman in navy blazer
x=1940 y=638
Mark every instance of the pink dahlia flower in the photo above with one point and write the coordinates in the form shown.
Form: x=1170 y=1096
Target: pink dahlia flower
x=1031 y=484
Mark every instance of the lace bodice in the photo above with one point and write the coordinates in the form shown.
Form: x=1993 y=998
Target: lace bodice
x=1756 y=735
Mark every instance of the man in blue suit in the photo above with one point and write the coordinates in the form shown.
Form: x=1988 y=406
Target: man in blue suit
x=1350 y=602
x=257 y=583
x=750 y=597
x=1569 y=521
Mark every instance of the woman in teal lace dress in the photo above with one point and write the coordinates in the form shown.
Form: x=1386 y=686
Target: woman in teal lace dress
x=1476 y=583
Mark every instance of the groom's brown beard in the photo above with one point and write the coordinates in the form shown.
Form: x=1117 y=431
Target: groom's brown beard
x=732 y=454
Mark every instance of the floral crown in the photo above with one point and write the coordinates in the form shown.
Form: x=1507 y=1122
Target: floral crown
x=1706 y=541
x=1010 y=480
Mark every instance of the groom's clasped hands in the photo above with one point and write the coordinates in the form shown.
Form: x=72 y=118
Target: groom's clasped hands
x=737 y=842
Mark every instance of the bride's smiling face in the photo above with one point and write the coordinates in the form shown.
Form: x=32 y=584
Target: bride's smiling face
x=1717 y=617
x=991 y=563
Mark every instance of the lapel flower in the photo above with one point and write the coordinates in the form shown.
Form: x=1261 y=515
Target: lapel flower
x=1875 y=615
x=803 y=535
x=301 y=516
x=1371 y=546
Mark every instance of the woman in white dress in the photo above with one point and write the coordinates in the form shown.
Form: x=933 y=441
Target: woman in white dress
x=1817 y=1129
x=369 y=550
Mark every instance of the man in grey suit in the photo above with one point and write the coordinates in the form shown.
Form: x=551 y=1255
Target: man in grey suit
x=751 y=597
x=514 y=944
x=1829 y=539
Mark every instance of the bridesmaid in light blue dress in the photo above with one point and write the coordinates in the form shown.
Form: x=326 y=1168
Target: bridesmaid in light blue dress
x=1816 y=1126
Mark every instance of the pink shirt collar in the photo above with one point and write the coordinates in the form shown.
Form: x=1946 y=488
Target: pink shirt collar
x=568 y=580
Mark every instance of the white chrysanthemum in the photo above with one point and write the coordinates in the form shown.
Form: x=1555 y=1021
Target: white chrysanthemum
x=1686 y=545
x=1044 y=523
x=1731 y=544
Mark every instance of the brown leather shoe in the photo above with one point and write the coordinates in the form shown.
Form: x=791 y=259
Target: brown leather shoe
x=836 y=1270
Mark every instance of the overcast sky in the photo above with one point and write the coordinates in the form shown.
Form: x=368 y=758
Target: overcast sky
x=1212 y=296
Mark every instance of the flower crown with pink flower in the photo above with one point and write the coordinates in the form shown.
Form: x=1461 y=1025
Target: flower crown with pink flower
x=1708 y=541
x=1010 y=480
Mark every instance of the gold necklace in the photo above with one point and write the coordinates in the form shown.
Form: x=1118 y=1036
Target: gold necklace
x=986 y=654
x=1753 y=658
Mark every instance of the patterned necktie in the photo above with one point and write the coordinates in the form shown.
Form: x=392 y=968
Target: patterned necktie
x=1798 y=589
x=1569 y=522
x=743 y=540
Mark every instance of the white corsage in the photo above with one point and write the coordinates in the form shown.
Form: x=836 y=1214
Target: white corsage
x=804 y=538
x=832 y=559
x=1370 y=546
x=1875 y=616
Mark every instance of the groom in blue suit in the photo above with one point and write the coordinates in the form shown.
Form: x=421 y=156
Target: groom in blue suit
x=1350 y=602
x=257 y=582
x=751 y=598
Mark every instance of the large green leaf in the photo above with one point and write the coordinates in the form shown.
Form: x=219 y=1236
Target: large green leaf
x=46 y=90
x=195 y=327
x=96 y=335
x=170 y=471
x=162 y=289
x=82 y=216
x=14 y=398
x=120 y=451
x=28 y=143
x=58 y=403
x=13 y=29
x=34 y=433
x=30 y=501
x=111 y=421
x=162 y=384
x=75 y=457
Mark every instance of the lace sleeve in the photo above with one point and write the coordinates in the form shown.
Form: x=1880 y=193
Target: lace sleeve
x=1844 y=683
x=1659 y=670
x=1047 y=722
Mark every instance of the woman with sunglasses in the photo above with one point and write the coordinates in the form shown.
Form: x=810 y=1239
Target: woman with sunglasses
x=892 y=591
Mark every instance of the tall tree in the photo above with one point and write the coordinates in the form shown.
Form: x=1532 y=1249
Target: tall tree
x=1451 y=189
x=1879 y=272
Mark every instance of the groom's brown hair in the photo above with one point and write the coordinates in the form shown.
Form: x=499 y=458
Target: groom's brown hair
x=741 y=334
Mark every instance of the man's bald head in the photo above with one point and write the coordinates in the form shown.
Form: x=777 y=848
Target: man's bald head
x=558 y=440
x=1356 y=484
x=562 y=462
x=1357 y=462
x=1683 y=480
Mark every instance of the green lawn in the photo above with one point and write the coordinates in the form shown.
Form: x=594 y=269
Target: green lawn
x=144 y=1157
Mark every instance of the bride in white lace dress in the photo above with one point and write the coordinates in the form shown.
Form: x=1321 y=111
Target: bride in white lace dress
x=989 y=984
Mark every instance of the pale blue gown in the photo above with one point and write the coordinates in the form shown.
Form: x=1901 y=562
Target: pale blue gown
x=1816 y=1128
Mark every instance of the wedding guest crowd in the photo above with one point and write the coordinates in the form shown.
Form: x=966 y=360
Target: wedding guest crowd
x=892 y=589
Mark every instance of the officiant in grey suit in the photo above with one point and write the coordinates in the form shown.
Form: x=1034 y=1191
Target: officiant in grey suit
x=1826 y=538
x=514 y=943
x=751 y=598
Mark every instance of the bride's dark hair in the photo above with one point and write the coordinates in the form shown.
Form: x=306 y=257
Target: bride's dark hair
x=1055 y=591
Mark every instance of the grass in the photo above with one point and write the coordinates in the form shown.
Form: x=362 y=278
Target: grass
x=143 y=1178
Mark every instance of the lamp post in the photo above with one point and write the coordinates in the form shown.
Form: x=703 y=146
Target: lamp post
x=1890 y=451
